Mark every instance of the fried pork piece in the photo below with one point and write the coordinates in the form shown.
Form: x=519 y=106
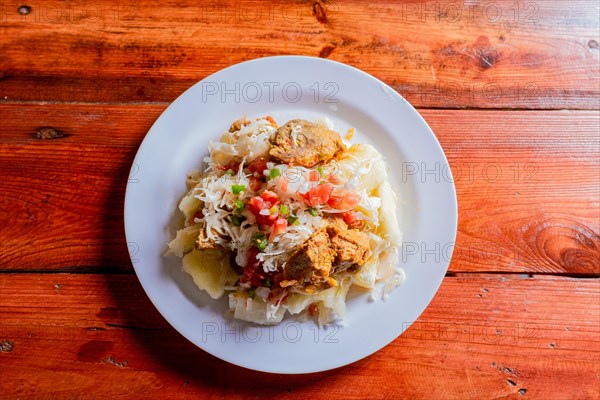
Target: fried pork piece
x=238 y=124
x=332 y=249
x=312 y=261
x=351 y=247
x=304 y=143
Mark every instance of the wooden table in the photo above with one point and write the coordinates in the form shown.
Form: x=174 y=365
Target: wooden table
x=510 y=88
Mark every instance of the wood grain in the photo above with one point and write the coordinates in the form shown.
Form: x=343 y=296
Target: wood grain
x=501 y=54
x=527 y=189
x=489 y=337
x=62 y=199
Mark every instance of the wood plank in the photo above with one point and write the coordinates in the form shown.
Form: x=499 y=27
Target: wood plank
x=62 y=199
x=501 y=54
x=481 y=337
x=528 y=189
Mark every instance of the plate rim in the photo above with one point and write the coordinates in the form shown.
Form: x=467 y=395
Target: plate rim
x=152 y=132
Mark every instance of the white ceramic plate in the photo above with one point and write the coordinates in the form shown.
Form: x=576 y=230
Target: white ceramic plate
x=291 y=87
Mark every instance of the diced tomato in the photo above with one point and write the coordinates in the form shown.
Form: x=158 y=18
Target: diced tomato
x=351 y=218
x=344 y=200
x=314 y=176
x=255 y=183
x=264 y=202
x=257 y=203
x=234 y=166
x=351 y=200
x=318 y=195
x=334 y=179
x=258 y=166
x=334 y=201
x=283 y=184
x=279 y=227
x=264 y=220
x=253 y=272
x=277 y=279
x=269 y=196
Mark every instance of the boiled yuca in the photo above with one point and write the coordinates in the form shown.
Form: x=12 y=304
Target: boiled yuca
x=210 y=270
x=363 y=163
x=388 y=220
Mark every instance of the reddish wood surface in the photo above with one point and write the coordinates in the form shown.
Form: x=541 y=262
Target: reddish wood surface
x=500 y=54
x=482 y=337
x=527 y=189
x=74 y=322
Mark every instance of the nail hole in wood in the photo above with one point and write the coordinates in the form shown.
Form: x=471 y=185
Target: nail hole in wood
x=24 y=10
x=6 y=346
x=47 y=133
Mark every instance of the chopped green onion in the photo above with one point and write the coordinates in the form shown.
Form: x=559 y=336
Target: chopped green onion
x=262 y=245
x=252 y=292
x=274 y=173
x=236 y=220
x=229 y=172
x=239 y=205
x=292 y=219
x=237 y=189
x=283 y=209
x=321 y=173
x=296 y=222
x=260 y=240
x=268 y=283
x=313 y=211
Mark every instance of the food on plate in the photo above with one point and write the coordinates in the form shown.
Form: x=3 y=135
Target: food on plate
x=285 y=219
x=305 y=143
